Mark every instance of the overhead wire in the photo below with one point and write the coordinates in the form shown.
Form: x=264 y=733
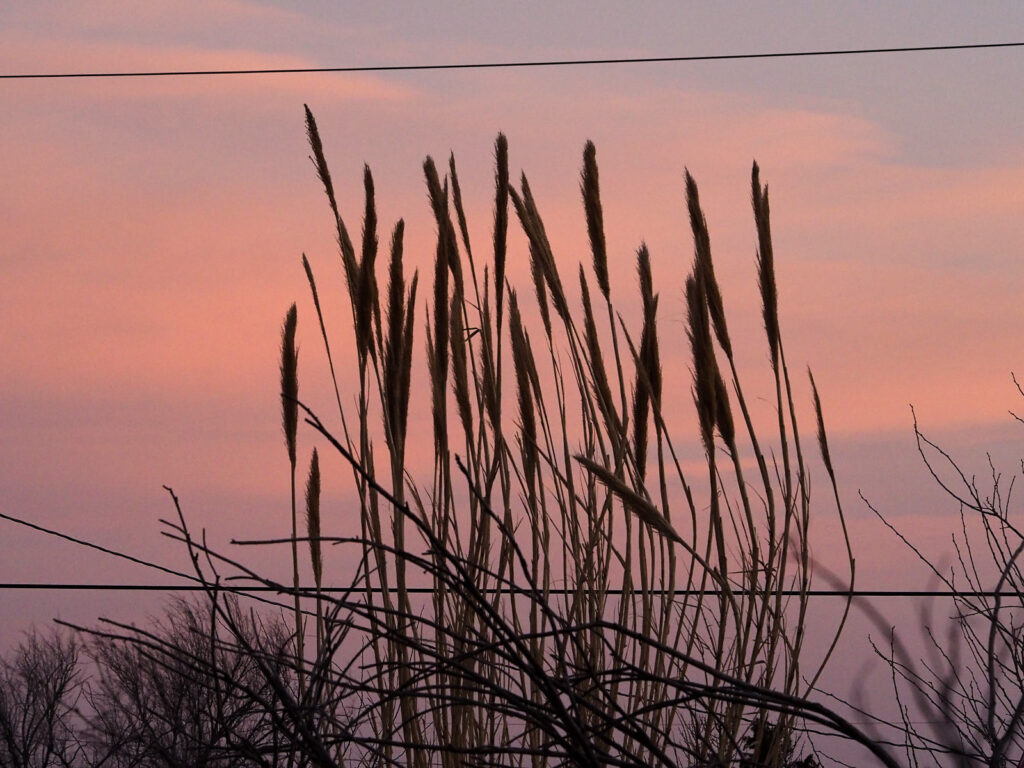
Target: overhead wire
x=124 y=587
x=198 y=585
x=506 y=64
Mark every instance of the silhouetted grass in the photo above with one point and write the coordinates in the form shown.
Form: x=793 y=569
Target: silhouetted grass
x=534 y=517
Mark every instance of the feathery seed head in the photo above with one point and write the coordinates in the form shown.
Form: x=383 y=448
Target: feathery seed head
x=703 y=359
x=540 y=249
x=602 y=389
x=648 y=364
x=313 y=517
x=632 y=500
x=590 y=188
x=459 y=210
x=723 y=412
x=822 y=439
x=318 y=159
x=369 y=218
x=650 y=353
x=643 y=268
x=447 y=247
x=766 y=265
x=491 y=384
x=536 y=260
x=405 y=371
x=441 y=314
x=396 y=297
x=704 y=266
x=367 y=305
x=290 y=381
x=523 y=361
x=501 y=190
x=460 y=375
x=438 y=197
x=396 y=327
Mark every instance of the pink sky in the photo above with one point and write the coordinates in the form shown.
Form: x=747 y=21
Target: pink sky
x=153 y=232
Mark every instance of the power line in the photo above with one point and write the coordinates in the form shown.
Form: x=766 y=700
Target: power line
x=98 y=547
x=506 y=64
x=198 y=586
x=111 y=587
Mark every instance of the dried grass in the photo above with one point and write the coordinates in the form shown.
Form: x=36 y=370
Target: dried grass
x=569 y=619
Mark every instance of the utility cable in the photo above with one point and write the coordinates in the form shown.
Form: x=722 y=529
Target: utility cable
x=198 y=586
x=111 y=587
x=98 y=547
x=505 y=64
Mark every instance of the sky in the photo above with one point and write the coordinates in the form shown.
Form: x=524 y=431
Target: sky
x=153 y=231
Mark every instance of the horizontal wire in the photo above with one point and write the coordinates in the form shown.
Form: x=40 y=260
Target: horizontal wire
x=506 y=64
x=495 y=590
x=199 y=587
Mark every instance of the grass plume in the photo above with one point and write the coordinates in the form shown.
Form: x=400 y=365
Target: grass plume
x=290 y=420
x=289 y=382
x=557 y=630
x=765 y=263
x=590 y=188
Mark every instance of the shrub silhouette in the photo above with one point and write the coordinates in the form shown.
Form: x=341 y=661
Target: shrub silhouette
x=961 y=700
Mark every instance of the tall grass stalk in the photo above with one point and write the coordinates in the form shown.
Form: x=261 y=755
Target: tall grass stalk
x=289 y=423
x=588 y=601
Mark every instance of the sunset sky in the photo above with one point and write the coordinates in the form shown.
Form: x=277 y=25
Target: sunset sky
x=153 y=230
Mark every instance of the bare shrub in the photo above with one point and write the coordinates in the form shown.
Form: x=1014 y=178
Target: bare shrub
x=176 y=694
x=962 y=701
x=40 y=689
